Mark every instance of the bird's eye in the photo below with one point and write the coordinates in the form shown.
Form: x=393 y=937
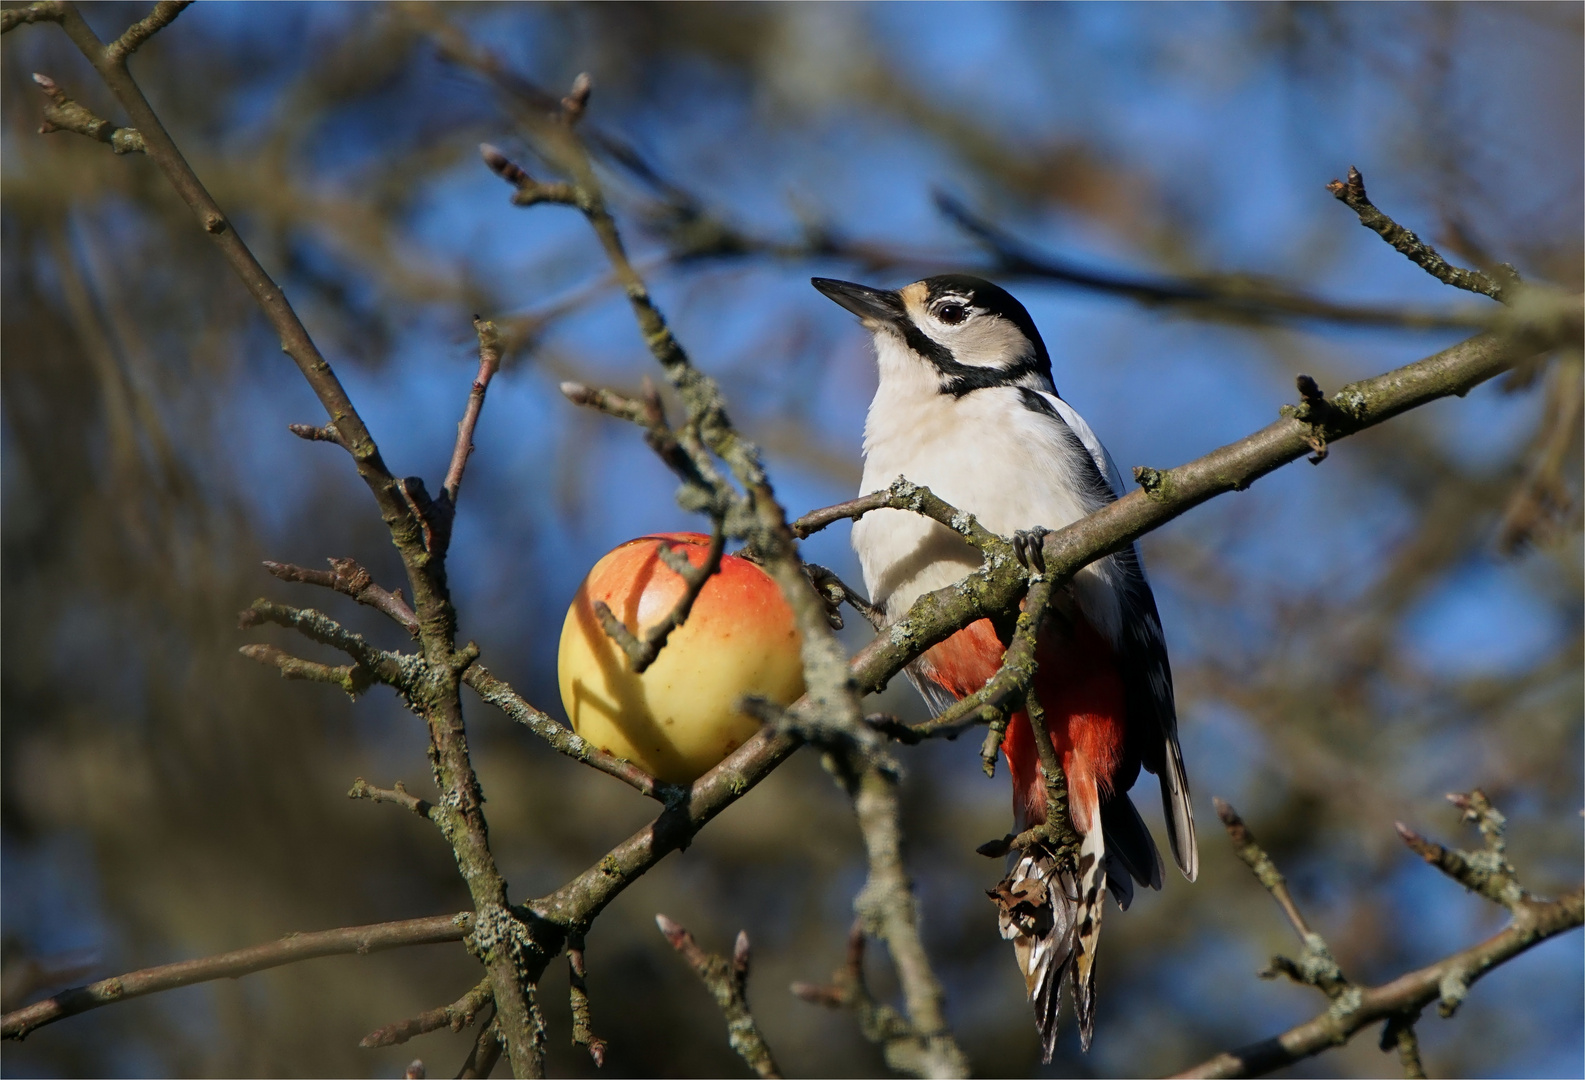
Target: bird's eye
x=952 y=314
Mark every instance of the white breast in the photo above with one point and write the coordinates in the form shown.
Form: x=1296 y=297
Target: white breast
x=1011 y=467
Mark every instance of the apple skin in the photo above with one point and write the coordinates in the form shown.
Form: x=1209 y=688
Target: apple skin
x=679 y=718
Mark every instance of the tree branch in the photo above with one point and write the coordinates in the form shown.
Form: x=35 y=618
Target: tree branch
x=1400 y=1001
x=393 y=669
x=38 y=11
x=64 y=114
x=1405 y=994
x=881 y=1024
x=903 y=494
x=504 y=944
x=354 y=679
x=701 y=484
x=566 y=741
x=1486 y=872
x=489 y=364
x=110 y=63
x=889 y=910
x=578 y=990
x=1352 y=194
x=728 y=984
x=232 y=965
x=1236 y=295
x=134 y=36
x=362 y=789
x=485 y=1053
x=1318 y=968
x=349 y=578
x=642 y=652
x=458 y=1015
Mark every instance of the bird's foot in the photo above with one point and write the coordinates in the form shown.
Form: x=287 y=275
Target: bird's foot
x=1030 y=547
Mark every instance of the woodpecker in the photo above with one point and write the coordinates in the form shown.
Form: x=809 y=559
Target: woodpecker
x=966 y=406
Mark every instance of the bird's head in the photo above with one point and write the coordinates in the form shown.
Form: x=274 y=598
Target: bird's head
x=972 y=333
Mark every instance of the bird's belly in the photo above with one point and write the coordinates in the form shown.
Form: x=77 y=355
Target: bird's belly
x=1007 y=481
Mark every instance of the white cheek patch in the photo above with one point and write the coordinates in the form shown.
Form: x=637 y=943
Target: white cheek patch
x=984 y=341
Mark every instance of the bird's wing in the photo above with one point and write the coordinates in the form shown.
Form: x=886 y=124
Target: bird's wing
x=1147 y=675
x=1147 y=681
x=1103 y=461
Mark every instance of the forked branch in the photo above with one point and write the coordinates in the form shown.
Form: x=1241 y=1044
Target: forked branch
x=727 y=981
x=1397 y=1004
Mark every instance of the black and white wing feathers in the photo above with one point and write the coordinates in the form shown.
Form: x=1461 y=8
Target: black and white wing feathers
x=1147 y=674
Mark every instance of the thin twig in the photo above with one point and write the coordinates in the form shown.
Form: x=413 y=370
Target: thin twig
x=889 y=910
x=362 y=789
x=64 y=114
x=231 y=965
x=1260 y=864
x=566 y=741
x=134 y=36
x=880 y=1024
x=1317 y=967
x=349 y=578
x=1399 y=1002
x=1398 y=1034
x=1352 y=194
x=458 y=1015
x=644 y=651
x=1487 y=872
x=727 y=982
x=489 y=364
x=312 y=433
x=295 y=340
x=690 y=465
x=316 y=626
x=836 y=592
x=582 y=1017
x=354 y=679
x=902 y=494
x=485 y=1053
x=38 y=11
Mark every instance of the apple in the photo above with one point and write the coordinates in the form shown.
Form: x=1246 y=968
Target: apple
x=680 y=717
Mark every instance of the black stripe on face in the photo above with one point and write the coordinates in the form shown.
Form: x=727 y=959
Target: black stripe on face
x=988 y=301
x=959 y=379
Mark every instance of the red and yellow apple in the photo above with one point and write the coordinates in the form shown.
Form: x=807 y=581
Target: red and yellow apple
x=680 y=717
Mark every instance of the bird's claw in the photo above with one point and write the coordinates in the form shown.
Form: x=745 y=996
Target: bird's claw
x=1030 y=547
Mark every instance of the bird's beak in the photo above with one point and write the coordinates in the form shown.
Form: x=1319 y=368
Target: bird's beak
x=877 y=307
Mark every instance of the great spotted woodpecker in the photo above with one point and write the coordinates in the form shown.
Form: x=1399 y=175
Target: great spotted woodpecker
x=966 y=407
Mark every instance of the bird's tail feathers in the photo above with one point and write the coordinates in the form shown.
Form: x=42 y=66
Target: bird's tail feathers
x=1179 y=808
x=1052 y=915
x=1038 y=913
x=1087 y=936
